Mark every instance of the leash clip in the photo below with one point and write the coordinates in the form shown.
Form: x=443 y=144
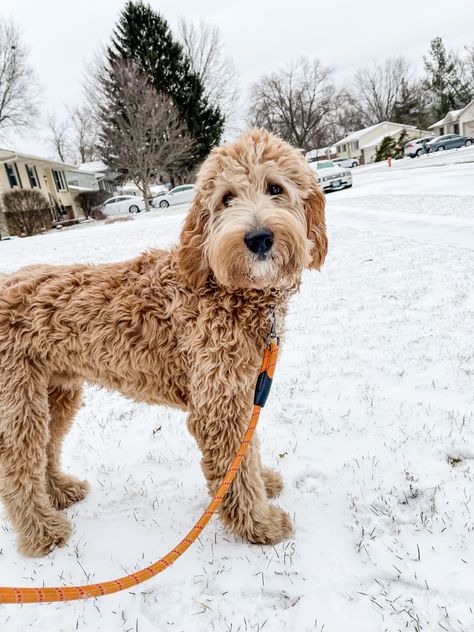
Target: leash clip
x=273 y=331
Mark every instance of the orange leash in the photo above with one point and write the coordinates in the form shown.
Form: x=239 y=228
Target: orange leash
x=70 y=593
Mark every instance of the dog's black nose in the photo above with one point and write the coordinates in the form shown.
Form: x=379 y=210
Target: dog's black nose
x=259 y=241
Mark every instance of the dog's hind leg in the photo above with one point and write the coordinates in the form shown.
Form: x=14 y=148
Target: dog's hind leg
x=64 y=401
x=24 y=436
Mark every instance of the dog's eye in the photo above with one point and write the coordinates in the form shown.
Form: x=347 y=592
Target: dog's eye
x=227 y=199
x=274 y=189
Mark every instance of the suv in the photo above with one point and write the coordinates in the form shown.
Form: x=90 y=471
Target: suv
x=417 y=146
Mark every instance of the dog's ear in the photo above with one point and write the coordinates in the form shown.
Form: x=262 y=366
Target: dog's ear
x=191 y=247
x=315 y=221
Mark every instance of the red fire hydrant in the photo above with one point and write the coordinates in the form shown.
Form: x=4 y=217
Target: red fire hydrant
x=389 y=160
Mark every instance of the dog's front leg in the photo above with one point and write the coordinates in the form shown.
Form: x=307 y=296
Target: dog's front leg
x=218 y=420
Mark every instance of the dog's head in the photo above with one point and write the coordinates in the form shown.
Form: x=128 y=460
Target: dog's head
x=257 y=218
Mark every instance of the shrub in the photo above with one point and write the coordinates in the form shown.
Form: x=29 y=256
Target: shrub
x=26 y=212
x=91 y=201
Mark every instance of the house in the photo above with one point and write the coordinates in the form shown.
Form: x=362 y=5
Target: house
x=105 y=177
x=23 y=171
x=363 y=143
x=324 y=153
x=456 y=122
x=78 y=181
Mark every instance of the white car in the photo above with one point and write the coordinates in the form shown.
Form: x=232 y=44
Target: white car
x=123 y=204
x=346 y=162
x=179 y=195
x=330 y=176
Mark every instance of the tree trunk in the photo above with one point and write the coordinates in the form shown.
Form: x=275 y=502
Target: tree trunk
x=146 y=195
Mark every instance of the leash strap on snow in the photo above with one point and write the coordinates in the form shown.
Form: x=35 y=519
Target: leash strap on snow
x=70 y=593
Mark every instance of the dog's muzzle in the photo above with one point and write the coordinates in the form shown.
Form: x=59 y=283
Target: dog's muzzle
x=259 y=241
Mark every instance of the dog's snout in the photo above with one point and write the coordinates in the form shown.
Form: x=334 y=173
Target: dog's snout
x=259 y=241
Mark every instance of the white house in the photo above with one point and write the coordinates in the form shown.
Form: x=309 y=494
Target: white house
x=456 y=122
x=363 y=143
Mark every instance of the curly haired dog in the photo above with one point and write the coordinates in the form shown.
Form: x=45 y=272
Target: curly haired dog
x=183 y=327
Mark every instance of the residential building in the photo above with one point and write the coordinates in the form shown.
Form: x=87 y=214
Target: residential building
x=105 y=177
x=24 y=171
x=456 y=122
x=322 y=153
x=363 y=143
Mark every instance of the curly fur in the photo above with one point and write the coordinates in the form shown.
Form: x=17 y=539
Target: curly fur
x=183 y=327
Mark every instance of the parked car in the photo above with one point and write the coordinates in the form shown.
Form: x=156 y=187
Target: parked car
x=449 y=141
x=153 y=198
x=331 y=176
x=179 y=195
x=346 y=162
x=417 y=146
x=122 y=204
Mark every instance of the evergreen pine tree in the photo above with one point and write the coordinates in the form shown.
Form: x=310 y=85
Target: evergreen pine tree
x=144 y=36
x=410 y=108
x=443 y=80
x=388 y=147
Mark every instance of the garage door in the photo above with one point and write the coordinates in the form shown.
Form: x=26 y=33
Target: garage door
x=468 y=129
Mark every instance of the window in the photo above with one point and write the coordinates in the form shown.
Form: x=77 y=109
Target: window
x=12 y=179
x=59 y=180
x=456 y=128
x=355 y=144
x=32 y=177
x=37 y=178
x=13 y=175
x=441 y=131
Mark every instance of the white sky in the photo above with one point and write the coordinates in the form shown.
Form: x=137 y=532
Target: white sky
x=261 y=36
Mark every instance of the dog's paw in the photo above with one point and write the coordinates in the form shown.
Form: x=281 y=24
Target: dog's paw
x=66 y=490
x=43 y=537
x=275 y=527
x=273 y=482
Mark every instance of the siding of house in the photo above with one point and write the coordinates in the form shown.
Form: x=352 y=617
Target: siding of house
x=44 y=182
x=466 y=121
x=354 y=148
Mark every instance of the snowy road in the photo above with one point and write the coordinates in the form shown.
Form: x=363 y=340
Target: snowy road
x=433 y=204
x=457 y=232
x=370 y=422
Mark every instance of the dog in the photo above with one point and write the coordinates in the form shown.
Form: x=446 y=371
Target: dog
x=185 y=327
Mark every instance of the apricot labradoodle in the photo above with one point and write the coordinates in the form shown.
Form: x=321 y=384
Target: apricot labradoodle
x=183 y=327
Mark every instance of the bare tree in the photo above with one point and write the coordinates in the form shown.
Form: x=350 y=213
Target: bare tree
x=203 y=46
x=18 y=85
x=73 y=138
x=142 y=134
x=85 y=133
x=296 y=103
x=377 y=89
x=58 y=137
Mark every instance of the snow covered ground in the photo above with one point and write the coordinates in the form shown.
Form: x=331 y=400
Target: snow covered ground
x=370 y=422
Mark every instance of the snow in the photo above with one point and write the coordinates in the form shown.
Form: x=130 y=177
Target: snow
x=370 y=421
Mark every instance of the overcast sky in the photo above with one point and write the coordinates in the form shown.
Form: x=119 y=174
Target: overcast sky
x=260 y=36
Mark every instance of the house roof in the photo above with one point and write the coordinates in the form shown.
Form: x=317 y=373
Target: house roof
x=451 y=116
x=375 y=141
x=7 y=155
x=361 y=132
x=93 y=167
x=322 y=151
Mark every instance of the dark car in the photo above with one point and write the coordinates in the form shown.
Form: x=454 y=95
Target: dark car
x=449 y=141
